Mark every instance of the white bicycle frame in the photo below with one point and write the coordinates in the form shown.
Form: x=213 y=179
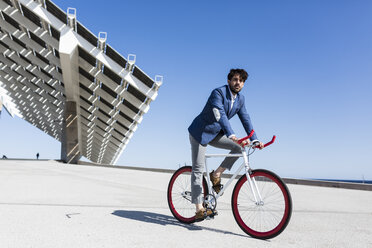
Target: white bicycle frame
x=245 y=164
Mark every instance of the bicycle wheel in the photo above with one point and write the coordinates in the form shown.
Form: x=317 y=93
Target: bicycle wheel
x=268 y=218
x=179 y=195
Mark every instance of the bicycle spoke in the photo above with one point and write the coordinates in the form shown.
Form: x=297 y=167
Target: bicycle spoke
x=264 y=218
x=179 y=195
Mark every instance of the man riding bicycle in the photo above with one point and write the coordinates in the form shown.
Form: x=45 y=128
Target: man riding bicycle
x=212 y=127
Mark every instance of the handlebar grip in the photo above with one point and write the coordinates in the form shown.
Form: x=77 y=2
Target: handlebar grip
x=270 y=142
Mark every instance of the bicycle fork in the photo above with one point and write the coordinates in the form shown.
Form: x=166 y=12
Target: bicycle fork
x=252 y=181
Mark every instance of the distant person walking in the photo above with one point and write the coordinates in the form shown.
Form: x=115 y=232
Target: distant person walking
x=5 y=157
x=37 y=155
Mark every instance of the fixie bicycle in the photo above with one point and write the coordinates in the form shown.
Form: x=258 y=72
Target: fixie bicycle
x=261 y=202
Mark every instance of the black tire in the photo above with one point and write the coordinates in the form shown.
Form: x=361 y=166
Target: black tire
x=272 y=215
x=179 y=195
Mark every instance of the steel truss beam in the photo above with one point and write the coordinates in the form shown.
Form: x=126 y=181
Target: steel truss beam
x=47 y=58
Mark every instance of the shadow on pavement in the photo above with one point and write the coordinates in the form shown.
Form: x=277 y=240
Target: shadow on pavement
x=166 y=220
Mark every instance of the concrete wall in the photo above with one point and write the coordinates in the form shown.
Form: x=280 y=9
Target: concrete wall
x=331 y=184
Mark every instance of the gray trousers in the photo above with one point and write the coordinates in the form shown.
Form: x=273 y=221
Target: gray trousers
x=198 y=162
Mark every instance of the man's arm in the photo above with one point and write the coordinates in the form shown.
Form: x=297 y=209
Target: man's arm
x=216 y=101
x=246 y=121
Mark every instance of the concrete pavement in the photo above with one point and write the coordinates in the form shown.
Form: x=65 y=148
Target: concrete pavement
x=50 y=204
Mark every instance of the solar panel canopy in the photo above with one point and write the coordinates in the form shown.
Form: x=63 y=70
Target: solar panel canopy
x=61 y=77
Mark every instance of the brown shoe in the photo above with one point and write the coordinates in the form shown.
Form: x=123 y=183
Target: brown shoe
x=216 y=181
x=203 y=214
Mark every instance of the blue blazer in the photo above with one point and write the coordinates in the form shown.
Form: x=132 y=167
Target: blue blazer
x=216 y=115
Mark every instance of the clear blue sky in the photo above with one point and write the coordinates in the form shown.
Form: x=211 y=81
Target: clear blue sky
x=310 y=66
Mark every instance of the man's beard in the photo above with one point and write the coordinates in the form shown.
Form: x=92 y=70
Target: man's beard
x=234 y=90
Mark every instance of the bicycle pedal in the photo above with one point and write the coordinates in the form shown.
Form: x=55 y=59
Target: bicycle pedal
x=218 y=188
x=221 y=194
x=211 y=217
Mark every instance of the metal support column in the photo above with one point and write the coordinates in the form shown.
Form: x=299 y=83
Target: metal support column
x=70 y=152
x=71 y=130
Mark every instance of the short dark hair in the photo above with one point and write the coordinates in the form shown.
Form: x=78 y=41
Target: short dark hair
x=241 y=72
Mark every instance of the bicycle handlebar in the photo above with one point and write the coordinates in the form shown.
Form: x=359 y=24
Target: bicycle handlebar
x=250 y=135
x=245 y=138
x=270 y=142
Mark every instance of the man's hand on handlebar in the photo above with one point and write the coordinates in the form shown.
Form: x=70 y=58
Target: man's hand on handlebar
x=245 y=141
x=259 y=144
x=256 y=143
x=242 y=144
